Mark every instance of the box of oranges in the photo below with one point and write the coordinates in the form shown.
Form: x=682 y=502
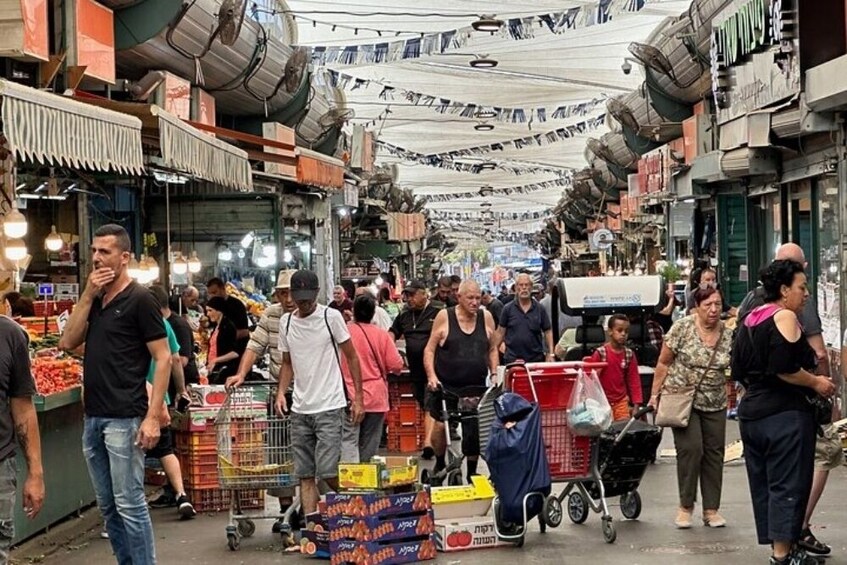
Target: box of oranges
x=314 y=538
x=376 y=529
x=382 y=553
x=375 y=504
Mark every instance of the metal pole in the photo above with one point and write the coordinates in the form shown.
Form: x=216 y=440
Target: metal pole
x=167 y=265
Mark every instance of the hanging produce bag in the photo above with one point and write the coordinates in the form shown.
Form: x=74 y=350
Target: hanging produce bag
x=589 y=413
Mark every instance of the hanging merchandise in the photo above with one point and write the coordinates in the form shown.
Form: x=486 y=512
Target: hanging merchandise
x=427 y=44
x=492 y=215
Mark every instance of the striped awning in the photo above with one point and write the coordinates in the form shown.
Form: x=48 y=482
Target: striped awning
x=186 y=148
x=56 y=130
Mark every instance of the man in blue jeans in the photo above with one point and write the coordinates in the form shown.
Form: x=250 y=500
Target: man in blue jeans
x=123 y=330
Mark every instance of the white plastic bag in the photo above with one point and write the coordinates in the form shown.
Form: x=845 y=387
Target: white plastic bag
x=589 y=412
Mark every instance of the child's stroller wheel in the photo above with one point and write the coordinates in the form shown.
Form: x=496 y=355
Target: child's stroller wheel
x=542 y=525
x=425 y=477
x=455 y=479
x=577 y=508
x=552 y=511
x=609 y=533
x=520 y=541
x=631 y=505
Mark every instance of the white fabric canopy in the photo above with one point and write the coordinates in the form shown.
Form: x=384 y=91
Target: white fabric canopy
x=577 y=65
x=50 y=129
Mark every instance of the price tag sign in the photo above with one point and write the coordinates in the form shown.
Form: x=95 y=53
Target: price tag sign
x=62 y=321
x=45 y=289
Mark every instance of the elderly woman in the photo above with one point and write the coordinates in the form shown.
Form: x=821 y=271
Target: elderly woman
x=696 y=352
x=222 y=360
x=774 y=362
x=378 y=357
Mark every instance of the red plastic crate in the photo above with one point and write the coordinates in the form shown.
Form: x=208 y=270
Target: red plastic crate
x=217 y=500
x=404 y=441
x=189 y=441
x=198 y=475
x=568 y=455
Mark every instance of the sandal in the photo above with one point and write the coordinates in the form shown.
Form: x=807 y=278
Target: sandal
x=811 y=544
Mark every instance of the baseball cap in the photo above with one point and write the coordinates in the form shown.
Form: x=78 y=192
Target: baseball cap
x=414 y=286
x=283 y=280
x=304 y=285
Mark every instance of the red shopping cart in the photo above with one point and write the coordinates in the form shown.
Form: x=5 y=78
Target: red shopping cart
x=572 y=459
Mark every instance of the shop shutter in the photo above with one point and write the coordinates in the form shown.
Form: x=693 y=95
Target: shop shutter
x=732 y=247
x=227 y=219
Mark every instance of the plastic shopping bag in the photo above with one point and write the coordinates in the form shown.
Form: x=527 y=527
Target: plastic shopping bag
x=589 y=413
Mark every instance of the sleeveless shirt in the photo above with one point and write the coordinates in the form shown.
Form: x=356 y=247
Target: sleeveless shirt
x=462 y=361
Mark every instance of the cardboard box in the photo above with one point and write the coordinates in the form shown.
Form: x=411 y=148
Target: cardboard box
x=194 y=419
x=375 y=529
x=216 y=395
x=459 y=502
x=463 y=534
x=376 y=553
x=381 y=473
x=314 y=538
x=364 y=505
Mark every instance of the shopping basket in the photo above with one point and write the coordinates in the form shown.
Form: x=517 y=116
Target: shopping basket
x=254 y=451
x=572 y=459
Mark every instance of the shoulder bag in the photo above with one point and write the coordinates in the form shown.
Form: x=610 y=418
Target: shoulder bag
x=382 y=371
x=675 y=407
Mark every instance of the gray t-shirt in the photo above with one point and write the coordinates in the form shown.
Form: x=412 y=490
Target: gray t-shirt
x=15 y=379
x=808 y=318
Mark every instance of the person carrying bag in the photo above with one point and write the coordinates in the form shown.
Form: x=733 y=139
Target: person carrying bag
x=689 y=390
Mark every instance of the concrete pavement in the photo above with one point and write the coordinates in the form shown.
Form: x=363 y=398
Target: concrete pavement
x=650 y=540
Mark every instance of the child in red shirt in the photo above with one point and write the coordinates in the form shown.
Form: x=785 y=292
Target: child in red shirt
x=620 y=379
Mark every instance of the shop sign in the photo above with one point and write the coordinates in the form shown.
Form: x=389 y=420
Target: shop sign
x=746 y=76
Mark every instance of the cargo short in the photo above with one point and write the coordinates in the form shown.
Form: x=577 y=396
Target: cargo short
x=829 y=454
x=316 y=442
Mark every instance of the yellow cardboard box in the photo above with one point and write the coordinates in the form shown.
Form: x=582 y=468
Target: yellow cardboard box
x=380 y=473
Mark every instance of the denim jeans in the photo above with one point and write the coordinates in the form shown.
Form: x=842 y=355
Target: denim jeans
x=8 y=497
x=116 y=466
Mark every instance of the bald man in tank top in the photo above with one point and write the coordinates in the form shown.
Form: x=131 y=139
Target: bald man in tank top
x=460 y=354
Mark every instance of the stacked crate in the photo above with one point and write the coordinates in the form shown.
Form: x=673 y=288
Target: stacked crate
x=196 y=449
x=405 y=420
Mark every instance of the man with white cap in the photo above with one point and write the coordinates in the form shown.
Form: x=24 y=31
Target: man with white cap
x=265 y=339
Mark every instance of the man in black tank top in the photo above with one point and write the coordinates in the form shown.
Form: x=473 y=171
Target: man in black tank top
x=461 y=353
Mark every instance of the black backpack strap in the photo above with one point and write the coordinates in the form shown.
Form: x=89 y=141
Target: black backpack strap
x=337 y=356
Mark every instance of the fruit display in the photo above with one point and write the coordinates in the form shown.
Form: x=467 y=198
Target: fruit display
x=255 y=303
x=54 y=372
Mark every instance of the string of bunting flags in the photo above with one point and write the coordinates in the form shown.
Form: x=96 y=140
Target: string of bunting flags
x=476 y=215
x=465 y=109
x=525 y=189
x=538 y=139
x=427 y=44
x=524 y=237
x=474 y=168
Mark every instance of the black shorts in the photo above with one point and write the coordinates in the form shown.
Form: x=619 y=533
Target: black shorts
x=420 y=393
x=164 y=447
x=469 y=415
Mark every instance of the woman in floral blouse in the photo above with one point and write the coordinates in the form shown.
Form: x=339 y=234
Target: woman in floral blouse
x=685 y=360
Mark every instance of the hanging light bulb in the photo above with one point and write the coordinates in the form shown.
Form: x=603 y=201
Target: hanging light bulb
x=15 y=249
x=194 y=264
x=180 y=265
x=15 y=224
x=133 y=268
x=54 y=241
x=225 y=254
x=153 y=266
x=269 y=250
x=286 y=256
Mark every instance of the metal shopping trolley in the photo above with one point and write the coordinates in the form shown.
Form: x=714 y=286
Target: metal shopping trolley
x=592 y=468
x=254 y=452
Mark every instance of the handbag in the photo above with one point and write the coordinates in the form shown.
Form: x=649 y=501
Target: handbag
x=674 y=410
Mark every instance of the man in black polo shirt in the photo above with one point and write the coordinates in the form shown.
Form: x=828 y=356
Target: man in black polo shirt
x=236 y=312
x=414 y=324
x=525 y=326
x=121 y=325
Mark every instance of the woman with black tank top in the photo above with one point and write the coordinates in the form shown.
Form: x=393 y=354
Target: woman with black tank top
x=773 y=360
x=460 y=354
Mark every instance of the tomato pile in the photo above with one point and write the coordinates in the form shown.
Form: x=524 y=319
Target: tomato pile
x=54 y=374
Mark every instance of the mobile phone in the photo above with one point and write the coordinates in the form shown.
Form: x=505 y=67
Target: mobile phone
x=182 y=404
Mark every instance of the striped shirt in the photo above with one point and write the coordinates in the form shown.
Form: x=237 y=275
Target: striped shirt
x=265 y=338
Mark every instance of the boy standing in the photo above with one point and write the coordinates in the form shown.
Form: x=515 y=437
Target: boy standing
x=620 y=379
